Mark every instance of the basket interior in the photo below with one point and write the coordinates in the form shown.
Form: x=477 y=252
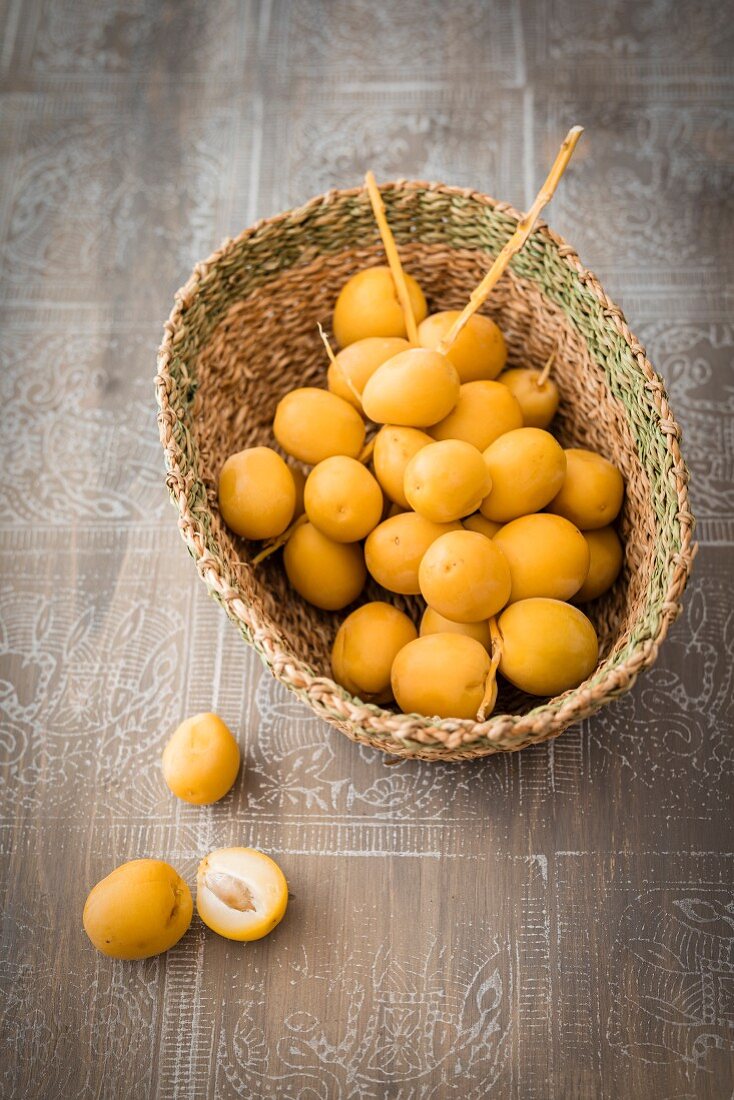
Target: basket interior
x=254 y=338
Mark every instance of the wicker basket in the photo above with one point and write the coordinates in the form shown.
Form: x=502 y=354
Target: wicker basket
x=243 y=332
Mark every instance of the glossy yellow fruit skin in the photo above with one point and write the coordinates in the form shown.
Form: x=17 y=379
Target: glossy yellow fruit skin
x=393 y=551
x=257 y=493
x=365 y=647
x=479 y=352
x=328 y=574
x=546 y=554
x=343 y=499
x=394 y=448
x=527 y=467
x=312 y=424
x=464 y=577
x=482 y=525
x=441 y=675
x=446 y=480
x=355 y=364
x=548 y=646
x=606 y=556
x=539 y=404
x=433 y=623
x=241 y=893
x=141 y=909
x=201 y=760
x=592 y=490
x=484 y=412
x=416 y=388
x=368 y=306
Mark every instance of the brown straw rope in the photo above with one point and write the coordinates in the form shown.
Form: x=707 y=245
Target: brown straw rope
x=243 y=332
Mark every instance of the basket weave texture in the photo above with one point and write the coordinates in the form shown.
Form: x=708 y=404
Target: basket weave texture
x=243 y=333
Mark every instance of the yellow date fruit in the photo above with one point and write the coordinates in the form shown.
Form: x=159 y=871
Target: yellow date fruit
x=538 y=402
x=546 y=554
x=464 y=576
x=393 y=551
x=365 y=647
x=141 y=909
x=433 y=623
x=368 y=305
x=484 y=412
x=347 y=376
x=441 y=675
x=312 y=424
x=479 y=352
x=328 y=574
x=343 y=499
x=394 y=448
x=592 y=490
x=548 y=646
x=416 y=388
x=605 y=564
x=257 y=493
x=527 y=467
x=446 y=480
x=482 y=525
x=201 y=760
x=241 y=893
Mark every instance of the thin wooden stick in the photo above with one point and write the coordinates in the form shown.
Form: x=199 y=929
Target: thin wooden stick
x=281 y=540
x=489 y=700
x=542 y=378
x=393 y=259
x=327 y=345
x=524 y=228
x=366 y=452
x=335 y=363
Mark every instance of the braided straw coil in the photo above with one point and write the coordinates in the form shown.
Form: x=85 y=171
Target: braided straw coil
x=243 y=332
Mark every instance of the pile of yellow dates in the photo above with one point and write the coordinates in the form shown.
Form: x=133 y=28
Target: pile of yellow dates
x=462 y=497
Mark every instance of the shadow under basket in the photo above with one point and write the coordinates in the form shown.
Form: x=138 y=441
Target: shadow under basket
x=243 y=333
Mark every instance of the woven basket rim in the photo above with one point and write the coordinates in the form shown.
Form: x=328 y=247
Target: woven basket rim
x=414 y=735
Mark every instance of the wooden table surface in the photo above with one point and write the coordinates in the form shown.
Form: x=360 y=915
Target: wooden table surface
x=558 y=923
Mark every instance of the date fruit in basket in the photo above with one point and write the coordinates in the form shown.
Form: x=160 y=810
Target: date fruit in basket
x=257 y=493
x=482 y=525
x=312 y=424
x=485 y=459
x=342 y=499
x=465 y=577
x=241 y=893
x=393 y=551
x=547 y=646
x=393 y=450
x=433 y=623
x=546 y=554
x=328 y=574
x=365 y=647
x=527 y=467
x=592 y=490
x=416 y=388
x=201 y=760
x=442 y=675
x=538 y=397
x=606 y=555
x=141 y=909
x=446 y=480
x=351 y=369
x=479 y=352
x=368 y=305
x=484 y=412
